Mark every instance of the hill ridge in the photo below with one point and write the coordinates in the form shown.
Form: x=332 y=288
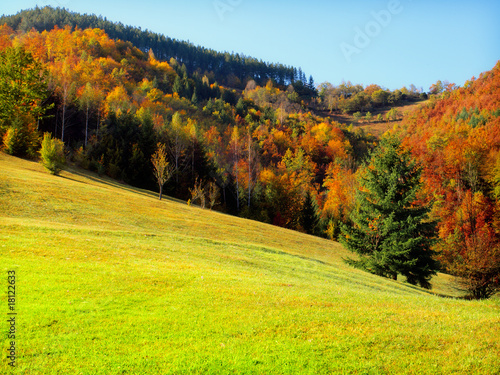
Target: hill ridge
x=196 y=58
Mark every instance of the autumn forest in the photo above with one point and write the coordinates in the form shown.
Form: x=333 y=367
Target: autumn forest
x=254 y=139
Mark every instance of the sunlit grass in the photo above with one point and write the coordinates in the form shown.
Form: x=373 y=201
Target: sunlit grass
x=111 y=281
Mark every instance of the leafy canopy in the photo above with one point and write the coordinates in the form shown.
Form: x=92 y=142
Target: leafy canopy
x=23 y=85
x=52 y=154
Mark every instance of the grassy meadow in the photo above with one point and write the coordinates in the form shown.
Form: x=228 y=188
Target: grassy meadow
x=110 y=280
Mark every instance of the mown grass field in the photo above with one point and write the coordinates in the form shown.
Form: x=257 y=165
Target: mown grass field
x=112 y=281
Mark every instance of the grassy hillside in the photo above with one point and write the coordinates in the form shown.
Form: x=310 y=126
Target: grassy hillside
x=112 y=281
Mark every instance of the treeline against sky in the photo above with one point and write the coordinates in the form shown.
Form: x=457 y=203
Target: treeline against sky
x=226 y=68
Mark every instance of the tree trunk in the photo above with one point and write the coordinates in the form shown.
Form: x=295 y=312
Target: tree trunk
x=63 y=120
x=87 y=126
x=237 y=191
x=161 y=191
x=192 y=162
x=249 y=169
x=176 y=168
x=98 y=121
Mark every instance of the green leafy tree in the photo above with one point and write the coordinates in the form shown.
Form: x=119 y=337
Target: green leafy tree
x=390 y=233
x=23 y=87
x=21 y=138
x=380 y=97
x=52 y=154
x=393 y=115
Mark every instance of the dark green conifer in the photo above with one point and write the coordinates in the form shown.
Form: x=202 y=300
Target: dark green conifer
x=178 y=88
x=309 y=218
x=391 y=234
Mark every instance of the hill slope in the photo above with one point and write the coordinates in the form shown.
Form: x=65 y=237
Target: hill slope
x=456 y=138
x=226 y=67
x=110 y=280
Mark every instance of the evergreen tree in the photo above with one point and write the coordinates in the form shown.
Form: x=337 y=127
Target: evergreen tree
x=390 y=233
x=178 y=87
x=309 y=218
x=311 y=83
x=194 y=98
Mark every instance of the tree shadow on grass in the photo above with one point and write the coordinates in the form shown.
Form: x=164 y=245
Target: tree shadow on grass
x=115 y=184
x=441 y=295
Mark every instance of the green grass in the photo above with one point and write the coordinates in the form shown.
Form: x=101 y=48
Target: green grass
x=112 y=281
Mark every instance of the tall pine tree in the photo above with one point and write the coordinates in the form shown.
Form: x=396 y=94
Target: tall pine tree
x=390 y=233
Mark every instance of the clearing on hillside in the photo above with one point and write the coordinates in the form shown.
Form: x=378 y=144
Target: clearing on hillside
x=110 y=280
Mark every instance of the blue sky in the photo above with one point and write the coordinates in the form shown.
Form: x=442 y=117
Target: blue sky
x=393 y=43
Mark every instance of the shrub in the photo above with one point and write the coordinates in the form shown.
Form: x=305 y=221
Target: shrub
x=13 y=141
x=81 y=158
x=52 y=154
x=21 y=139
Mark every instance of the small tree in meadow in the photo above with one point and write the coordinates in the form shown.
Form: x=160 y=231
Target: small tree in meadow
x=213 y=194
x=162 y=169
x=198 y=193
x=52 y=154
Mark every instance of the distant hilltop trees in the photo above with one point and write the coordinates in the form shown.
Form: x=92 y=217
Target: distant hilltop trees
x=229 y=69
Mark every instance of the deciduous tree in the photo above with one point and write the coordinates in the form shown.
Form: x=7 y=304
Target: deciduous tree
x=213 y=194
x=162 y=169
x=52 y=154
x=23 y=85
x=64 y=78
x=23 y=88
x=198 y=193
x=177 y=142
